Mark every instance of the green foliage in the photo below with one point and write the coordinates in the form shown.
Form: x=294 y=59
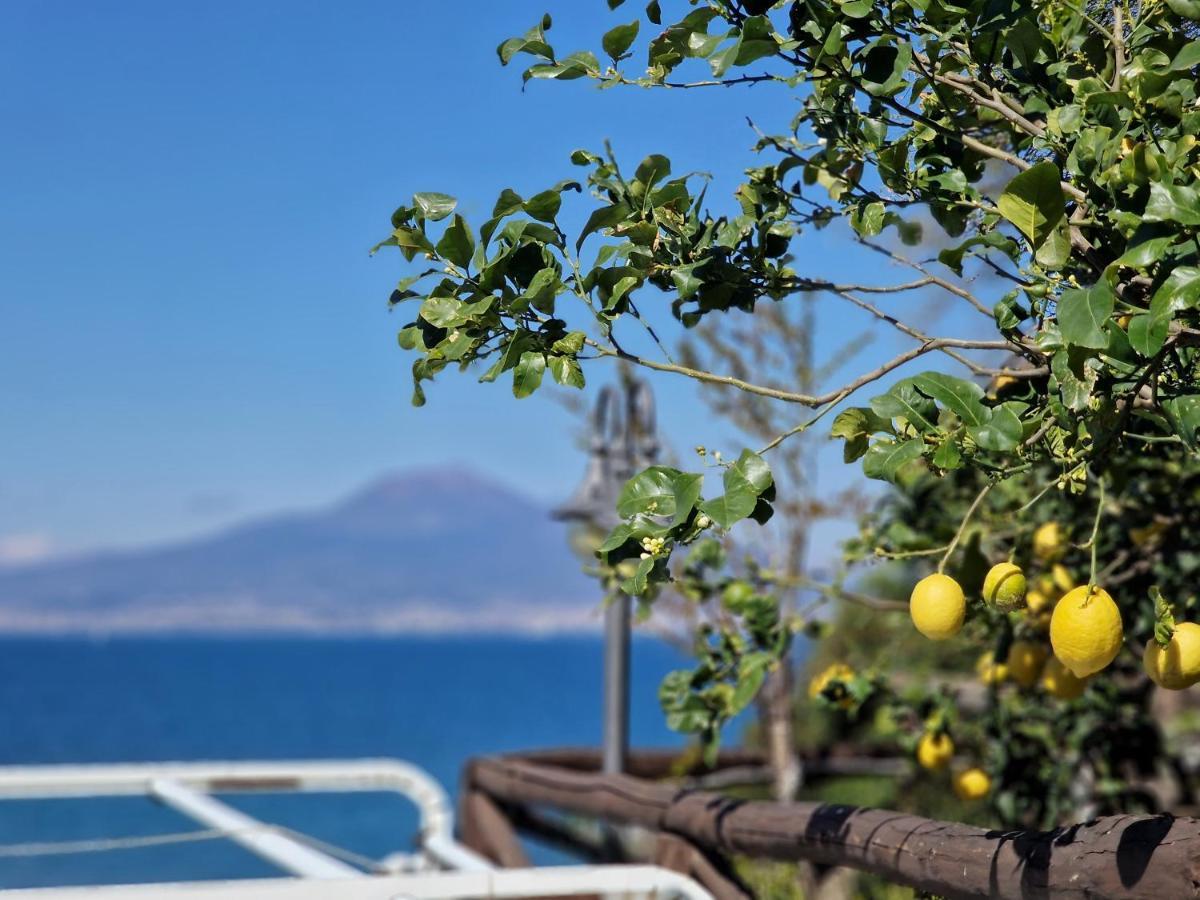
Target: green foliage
x=1054 y=143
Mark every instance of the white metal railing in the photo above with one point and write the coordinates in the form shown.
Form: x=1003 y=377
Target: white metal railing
x=441 y=869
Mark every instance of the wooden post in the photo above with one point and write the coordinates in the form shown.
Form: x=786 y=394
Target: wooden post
x=713 y=874
x=484 y=828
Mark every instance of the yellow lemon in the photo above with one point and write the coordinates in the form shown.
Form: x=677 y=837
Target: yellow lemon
x=990 y=671
x=1086 y=631
x=1058 y=681
x=934 y=751
x=1176 y=666
x=1036 y=601
x=1048 y=541
x=1025 y=661
x=972 y=784
x=1062 y=578
x=1004 y=587
x=835 y=672
x=937 y=606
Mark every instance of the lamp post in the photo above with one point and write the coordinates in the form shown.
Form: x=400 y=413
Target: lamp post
x=623 y=442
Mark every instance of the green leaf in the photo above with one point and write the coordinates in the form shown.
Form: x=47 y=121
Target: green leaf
x=1181 y=290
x=660 y=491
x=618 y=40
x=1173 y=203
x=1147 y=333
x=457 y=243
x=1001 y=433
x=1075 y=378
x=745 y=481
x=605 y=217
x=544 y=206
x=653 y=169
x=1084 y=313
x=1184 y=415
x=1139 y=256
x=903 y=400
x=571 y=343
x=856 y=425
x=1033 y=201
x=886 y=458
x=434 y=206
x=1187 y=58
x=527 y=376
x=1189 y=9
x=957 y=395
x=441 y=311
x=567 y=371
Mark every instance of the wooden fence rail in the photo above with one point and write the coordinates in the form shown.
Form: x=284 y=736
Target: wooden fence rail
x=1115 y=857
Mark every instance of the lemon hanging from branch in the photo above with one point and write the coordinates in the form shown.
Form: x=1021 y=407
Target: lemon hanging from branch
x=1177 y=665
x=1086 y=630
x=1004 y=587
x=938 y=606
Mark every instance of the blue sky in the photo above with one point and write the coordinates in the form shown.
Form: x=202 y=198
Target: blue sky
x=193 y=330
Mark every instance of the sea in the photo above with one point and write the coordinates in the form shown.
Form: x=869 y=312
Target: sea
x=435 y=702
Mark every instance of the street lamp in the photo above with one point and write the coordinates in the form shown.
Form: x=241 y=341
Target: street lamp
x=623 y=441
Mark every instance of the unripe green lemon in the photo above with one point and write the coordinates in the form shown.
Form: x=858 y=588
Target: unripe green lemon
x=972 y=784
x=934 y=751
x=1058 y=681
x=1025 y=661
x=1177 y=665
x=937 y=606
x=1004 y=587
x=1086 y=631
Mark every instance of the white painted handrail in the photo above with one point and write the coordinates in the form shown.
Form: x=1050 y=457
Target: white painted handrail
x=643 y=882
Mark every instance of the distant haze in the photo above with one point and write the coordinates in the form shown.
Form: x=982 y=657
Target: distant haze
x=422 y=551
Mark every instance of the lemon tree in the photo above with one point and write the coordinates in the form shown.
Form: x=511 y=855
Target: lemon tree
x=1050 y=145
x=1053 y=699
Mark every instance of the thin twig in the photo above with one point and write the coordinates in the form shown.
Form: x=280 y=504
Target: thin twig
x=963 y=527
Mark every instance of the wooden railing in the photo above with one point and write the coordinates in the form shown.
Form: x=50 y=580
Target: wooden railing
x=697 y=831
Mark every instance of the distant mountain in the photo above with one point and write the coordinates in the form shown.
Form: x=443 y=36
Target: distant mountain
x=420 y=551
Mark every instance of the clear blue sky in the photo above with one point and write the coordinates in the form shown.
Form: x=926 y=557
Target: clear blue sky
x=193 y=331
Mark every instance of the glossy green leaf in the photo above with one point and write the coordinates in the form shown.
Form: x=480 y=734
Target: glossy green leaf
x=887 y=458
x=434 y=206
x=527 y=374
x=961 y=397
x=1083 y=315
x=1033 y=201
x=618 y=40
x=1173 y=203
x=457 y=243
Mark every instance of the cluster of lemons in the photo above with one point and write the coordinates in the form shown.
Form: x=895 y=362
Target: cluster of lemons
x=935 y=750
x=1086 y=632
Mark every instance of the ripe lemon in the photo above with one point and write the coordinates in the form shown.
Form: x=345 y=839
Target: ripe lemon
x=1048 y=541
x=972 y=784
x=1058 y=681
x=1086 y=631
x=934 y=751
x=1062 y=578
x=1025 y=661
x=1004 y=587
x=990 y=671
x=1176 y=666
x=937 y=606
x=1036 y=601
x=835 y=672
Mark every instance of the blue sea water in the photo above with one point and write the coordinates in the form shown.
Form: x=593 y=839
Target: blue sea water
x=434 y=702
